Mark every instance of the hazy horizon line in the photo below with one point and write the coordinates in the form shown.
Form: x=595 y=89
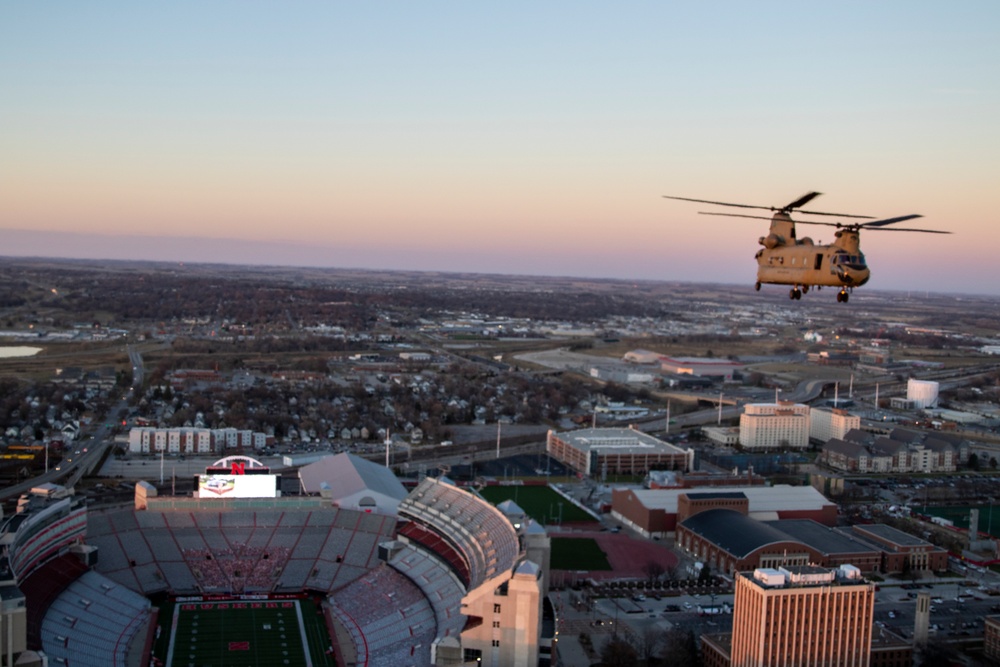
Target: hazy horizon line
x=19 y=243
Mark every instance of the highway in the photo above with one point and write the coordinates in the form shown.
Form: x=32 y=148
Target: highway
x=86 y=452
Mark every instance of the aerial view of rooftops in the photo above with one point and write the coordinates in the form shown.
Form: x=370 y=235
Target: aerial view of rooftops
x=352 y=467
x=439 y=334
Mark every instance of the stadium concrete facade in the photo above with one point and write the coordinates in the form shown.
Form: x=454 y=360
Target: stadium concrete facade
x=440 y=578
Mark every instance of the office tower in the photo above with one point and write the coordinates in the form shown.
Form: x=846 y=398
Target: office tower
x=806 y=616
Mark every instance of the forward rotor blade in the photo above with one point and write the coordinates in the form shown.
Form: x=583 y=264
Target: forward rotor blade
x=876 y=226
x=890 y=221
x=817 y=222
x=906 y=229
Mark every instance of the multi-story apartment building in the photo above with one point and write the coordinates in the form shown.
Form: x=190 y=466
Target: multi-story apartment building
x=991 y=638
x=774 y=425
x=189 y=440
x=901 y=450
x=827 y=423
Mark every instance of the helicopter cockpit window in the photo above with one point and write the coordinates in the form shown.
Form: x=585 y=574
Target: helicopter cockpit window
x=853 y=260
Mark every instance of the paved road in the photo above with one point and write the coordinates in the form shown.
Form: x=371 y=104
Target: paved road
x=90 y=447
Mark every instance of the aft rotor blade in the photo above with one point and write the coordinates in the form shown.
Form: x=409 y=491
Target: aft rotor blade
x=720 y=203
x=736 y=215
x=837 y=215
x=786 y=209
x=805 y=199
x=802 y=201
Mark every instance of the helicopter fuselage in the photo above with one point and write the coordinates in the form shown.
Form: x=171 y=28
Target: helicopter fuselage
x=787 y=260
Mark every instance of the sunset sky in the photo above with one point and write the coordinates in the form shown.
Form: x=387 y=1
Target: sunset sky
x=530 y=138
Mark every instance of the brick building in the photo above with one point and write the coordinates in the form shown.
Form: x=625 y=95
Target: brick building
x=616 y=451
x=802 y=616
x=654 y=512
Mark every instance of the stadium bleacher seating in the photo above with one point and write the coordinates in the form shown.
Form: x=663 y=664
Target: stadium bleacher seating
x=153 y=551
x=93 y=622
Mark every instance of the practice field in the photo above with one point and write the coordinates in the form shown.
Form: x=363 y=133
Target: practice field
x=989 y=521
x=540 y=502
x=578 y=554
x=248 y=633
x=606 y=555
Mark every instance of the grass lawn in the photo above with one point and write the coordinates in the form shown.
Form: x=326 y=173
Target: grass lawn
x=249 y=633
x=540 y=502
x=578 y=553
x=960 y=516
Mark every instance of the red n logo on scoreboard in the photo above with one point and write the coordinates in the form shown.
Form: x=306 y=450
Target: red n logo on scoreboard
x=238 y=468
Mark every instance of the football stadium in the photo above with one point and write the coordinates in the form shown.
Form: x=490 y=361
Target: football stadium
x=357 y=570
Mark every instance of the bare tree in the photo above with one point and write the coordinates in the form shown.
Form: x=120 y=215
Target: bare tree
x=618 y=653
x=649 y=642
x=680 y=649
x=653 y=571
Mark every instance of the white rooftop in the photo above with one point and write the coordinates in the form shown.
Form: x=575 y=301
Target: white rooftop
x=761 y=498
x=620 y=440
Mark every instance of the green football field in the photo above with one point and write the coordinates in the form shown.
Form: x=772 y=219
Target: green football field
x=578 y=553
x=541 y=503
x=247 y=633
x=989 y=521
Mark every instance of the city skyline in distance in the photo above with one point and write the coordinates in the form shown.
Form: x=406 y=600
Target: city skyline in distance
x=517 y=140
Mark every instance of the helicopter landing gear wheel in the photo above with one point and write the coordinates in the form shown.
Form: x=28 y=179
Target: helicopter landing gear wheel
x=757 y=287
x=842 y=296
x=795 y=294
x=805 y=289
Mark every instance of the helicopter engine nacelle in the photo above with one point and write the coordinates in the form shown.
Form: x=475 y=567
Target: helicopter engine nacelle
x=771 y=241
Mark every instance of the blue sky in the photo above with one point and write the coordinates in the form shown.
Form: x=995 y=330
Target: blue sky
x=522 y=138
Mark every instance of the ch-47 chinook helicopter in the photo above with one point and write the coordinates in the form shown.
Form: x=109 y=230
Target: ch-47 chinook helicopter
x=786 y=259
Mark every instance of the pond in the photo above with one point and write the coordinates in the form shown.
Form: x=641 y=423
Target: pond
x=18 y=351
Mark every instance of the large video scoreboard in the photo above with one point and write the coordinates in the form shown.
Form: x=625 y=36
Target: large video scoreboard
x=237 y=477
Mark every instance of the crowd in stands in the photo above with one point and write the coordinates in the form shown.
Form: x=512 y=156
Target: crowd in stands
x=168 y=551
x=239 y=569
